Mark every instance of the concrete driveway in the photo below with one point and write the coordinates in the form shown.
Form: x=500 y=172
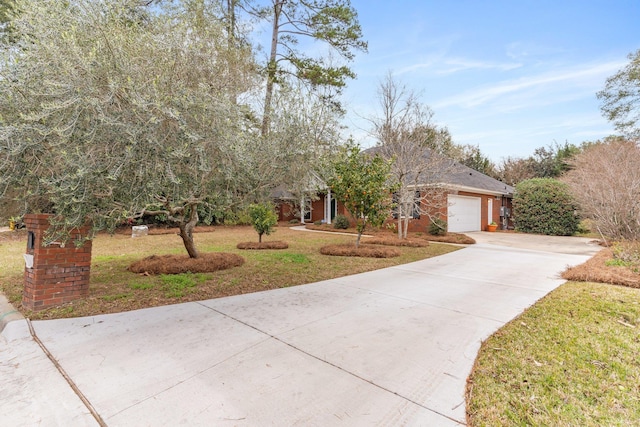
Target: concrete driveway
x=390 y=347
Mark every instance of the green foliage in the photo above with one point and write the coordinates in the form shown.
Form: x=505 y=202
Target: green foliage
x=112 y=110
x=438 y=227
x=263 y=218
x=341 y=222
x=621 y=98
x=545 y=206
x=334 y=22
x=361 y=183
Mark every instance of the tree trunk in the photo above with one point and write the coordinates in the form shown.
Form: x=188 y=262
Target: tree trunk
x=186 y=232
x=271 y=67
x=259 y=237
x=358 y=239
x=407 y=218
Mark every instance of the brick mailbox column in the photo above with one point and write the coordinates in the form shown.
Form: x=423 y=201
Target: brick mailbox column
x=58 y=274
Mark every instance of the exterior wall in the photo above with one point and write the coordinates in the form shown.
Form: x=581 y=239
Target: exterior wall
x=422 y=224
x=415 y=225
x=286 y=210
x=59 y=274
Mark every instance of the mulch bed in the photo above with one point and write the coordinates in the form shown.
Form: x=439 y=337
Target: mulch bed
x=394 y=241
x=364 y=250
x=176 y=264
x=595 y=270
x=456 y=238
x=277 y=244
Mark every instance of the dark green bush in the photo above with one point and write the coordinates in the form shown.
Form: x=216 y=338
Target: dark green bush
x=545 y=206
x=438 y=227
x=341 y=222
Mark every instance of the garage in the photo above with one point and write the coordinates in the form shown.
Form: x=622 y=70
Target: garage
x=463 y=213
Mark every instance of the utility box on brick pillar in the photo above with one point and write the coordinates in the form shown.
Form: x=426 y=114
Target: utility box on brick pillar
x=54 y=274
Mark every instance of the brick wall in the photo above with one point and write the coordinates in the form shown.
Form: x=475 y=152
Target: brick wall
x=60 y=274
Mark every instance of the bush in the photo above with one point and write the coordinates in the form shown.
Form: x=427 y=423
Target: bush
x=438 y=227
x=341 y=222
x=545 y=206
x=263 y=219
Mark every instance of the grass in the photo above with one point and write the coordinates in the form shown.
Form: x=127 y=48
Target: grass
x=572 y=359
x=113 y=288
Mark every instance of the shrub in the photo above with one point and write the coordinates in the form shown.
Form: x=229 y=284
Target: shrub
x=341 y=222
x=263 y=219
x=438 y=227
x=545 y=206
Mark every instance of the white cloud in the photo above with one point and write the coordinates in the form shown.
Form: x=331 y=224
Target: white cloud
x=585 y=75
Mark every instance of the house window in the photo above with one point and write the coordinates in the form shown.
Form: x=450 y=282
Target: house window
x=307 y=209
x=415 y=207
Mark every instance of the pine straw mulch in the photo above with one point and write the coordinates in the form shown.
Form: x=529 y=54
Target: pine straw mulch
x=176 y=264
x=364 y=250
x=276 y=244
x=389 y=236
x=394 y=241
x=596 y=270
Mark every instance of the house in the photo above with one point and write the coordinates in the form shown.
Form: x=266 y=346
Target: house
x=473 y=200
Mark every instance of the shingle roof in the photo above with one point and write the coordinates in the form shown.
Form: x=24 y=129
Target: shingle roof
x=464 y=176
x=461 y=177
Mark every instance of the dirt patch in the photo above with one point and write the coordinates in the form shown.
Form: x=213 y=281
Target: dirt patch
x=596 y=270
x=176 y=264
x=364 y=250
x=13 y=235
x=394 y=241
x=263 y=245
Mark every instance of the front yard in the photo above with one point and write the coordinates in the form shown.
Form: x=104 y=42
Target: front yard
x=114 y=289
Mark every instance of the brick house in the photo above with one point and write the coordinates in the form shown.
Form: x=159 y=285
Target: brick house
x=473 y=200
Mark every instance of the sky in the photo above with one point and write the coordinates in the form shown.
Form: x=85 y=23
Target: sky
x=506 y=76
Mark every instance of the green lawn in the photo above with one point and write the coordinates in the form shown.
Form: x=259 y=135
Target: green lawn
x=573 y=359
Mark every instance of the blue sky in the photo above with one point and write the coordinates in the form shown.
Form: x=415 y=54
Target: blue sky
x=507 y=76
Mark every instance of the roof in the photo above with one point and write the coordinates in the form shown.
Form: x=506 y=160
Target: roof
x=463 y=178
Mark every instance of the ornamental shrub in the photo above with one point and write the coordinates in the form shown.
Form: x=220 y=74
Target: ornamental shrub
x=545 y=206
x=341 y=222
x=438 y=227
x=263 y=219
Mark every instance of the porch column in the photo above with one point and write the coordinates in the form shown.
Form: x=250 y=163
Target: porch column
x=327 y=207
x=302 y=204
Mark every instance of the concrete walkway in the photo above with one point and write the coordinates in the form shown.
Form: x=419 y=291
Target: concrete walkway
x=390 y=347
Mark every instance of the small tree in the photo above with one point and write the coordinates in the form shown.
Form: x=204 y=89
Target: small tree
x=361 y=183
x=406 y=134
x=545 y=206
x=263 y=219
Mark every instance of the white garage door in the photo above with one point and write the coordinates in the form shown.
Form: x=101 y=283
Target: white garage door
x=463 y=213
